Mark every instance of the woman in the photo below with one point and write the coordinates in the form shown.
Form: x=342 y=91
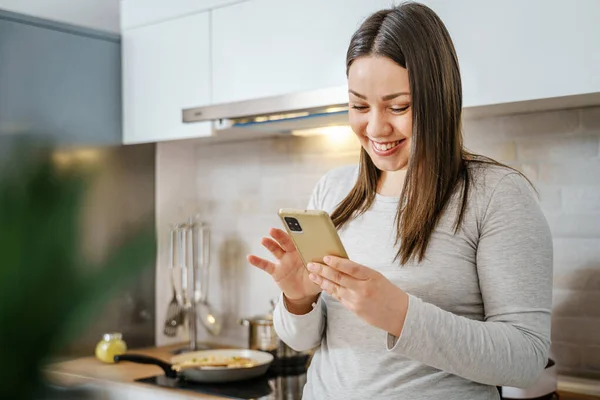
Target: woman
x=447 y=290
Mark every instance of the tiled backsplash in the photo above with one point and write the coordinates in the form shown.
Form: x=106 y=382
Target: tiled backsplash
x=239 y=187
x=121 y=195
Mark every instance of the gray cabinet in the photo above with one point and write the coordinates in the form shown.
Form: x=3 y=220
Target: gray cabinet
x=59 y=80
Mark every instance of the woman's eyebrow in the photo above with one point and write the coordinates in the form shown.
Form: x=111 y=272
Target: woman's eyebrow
x=385 y=98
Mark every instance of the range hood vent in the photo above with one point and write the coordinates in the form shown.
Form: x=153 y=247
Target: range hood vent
x=276 y=114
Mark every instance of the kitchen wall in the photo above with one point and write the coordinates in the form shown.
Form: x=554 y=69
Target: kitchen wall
x=238 y=187
x=121 y=194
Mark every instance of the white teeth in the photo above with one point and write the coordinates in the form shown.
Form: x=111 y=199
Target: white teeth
x=385 y=146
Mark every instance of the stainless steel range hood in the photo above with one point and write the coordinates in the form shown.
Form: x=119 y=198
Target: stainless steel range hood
x=275 y=115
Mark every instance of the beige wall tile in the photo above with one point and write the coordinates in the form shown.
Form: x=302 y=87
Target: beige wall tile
x=566 y=355
x=591 y=359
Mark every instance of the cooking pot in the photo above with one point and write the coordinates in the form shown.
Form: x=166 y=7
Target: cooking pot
x=262 y=337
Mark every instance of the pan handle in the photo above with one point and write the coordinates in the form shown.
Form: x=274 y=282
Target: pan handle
x=142 y=359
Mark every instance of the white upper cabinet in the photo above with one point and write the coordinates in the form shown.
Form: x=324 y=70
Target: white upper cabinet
x=270 y=47
x=166 y=67
x=135 y=13
x=514 y=50
x=509 y=50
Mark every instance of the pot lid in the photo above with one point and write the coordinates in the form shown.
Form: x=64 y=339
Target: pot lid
x=261 y=319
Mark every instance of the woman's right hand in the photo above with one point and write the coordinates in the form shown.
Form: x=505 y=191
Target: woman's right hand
x=288 y=270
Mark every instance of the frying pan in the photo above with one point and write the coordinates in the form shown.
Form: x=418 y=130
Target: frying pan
x=204 y=374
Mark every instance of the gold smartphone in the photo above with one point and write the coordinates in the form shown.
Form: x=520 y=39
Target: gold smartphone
x=313 y=233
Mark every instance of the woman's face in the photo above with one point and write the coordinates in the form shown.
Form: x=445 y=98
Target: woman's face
x=380 y=110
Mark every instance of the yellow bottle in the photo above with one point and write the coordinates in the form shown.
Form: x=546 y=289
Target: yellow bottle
x=112 y=344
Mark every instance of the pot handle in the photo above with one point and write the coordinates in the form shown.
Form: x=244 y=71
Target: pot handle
x=142 y=359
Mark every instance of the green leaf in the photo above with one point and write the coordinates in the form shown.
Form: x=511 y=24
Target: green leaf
x=48 y=292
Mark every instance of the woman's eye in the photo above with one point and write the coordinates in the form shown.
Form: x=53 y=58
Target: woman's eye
x=359 y=108
x=398 y=110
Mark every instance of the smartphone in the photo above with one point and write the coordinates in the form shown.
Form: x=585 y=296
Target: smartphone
x=313 y=233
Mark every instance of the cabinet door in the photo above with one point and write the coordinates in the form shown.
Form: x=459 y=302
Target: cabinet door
x=59 y=81
x=136 y=13
x=514 y=50
x=271 y=47
x=509 y=50
x=165 y=69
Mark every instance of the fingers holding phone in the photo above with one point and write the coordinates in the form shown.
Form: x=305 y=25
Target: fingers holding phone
x=273 y=247
x=283 y=239
x=310 y=235
x=278 y=245
x=313 y=234
x=288 y=271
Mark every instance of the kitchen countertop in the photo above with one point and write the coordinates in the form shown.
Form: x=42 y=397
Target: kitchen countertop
x=121 y=377
x=576 y=396
x=568 y=385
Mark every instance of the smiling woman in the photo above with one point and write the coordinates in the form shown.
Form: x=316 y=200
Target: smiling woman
x=447 y=289
x=367 y=112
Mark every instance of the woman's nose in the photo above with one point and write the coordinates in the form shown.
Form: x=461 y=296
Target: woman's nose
x=378 y=125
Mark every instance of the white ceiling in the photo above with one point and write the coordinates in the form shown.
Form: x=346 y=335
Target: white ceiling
x=97 y=14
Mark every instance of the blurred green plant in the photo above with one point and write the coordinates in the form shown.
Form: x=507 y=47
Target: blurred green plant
x=49 y=292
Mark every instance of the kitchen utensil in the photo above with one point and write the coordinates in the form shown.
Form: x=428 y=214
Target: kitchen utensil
x=192 y=240
x=174 y=316
x=210 y=319
x=194 y=248
x=188 y=274
x=262 y=337
x=206 y=314
x=193 y=323
x=177 y=369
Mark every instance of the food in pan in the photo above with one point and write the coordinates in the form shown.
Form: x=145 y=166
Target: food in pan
x=213 y=362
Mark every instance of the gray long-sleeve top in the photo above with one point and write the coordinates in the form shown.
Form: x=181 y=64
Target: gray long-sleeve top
x=479 y=303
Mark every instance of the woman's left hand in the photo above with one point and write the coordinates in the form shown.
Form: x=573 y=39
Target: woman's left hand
x=364 y=291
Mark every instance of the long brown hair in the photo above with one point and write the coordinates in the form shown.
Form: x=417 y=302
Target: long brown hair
x=415 y=38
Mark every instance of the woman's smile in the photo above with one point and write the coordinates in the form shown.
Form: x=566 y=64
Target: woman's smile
x=386 y=149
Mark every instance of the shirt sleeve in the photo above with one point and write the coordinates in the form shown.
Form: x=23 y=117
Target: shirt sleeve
x=514 y=264
x=302 y=332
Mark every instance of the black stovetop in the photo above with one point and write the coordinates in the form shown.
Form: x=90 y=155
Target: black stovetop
x=281 y=382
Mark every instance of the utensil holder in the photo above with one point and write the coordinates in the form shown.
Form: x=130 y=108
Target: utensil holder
x=193 y=247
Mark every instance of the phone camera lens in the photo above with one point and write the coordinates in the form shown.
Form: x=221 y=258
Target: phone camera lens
x=293 y=224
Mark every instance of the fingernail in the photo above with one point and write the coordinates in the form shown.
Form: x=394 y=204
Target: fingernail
x=326 y=259
x=312 y=277
x=311 y=267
